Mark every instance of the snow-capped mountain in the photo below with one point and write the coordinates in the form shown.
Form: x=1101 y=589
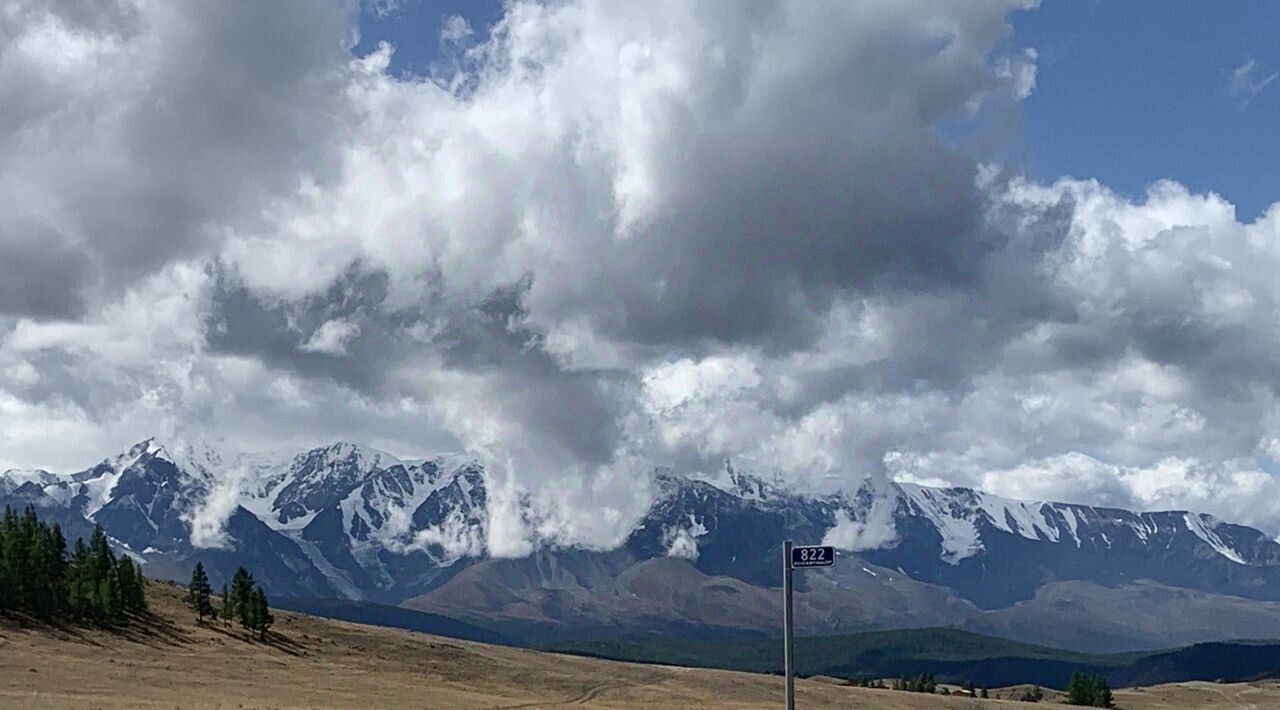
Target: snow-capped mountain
x=349 y=521
x=340 y=520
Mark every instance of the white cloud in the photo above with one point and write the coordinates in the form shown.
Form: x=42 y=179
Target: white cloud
x=682 y=540
x=455 y=536
x=669 y=233
x=455 y=29
x=1020 y=72
x=875 y=531
x=331 y=338
x=208 y=519
x=1250 y=79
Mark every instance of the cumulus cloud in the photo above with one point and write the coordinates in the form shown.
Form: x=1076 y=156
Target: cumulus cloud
x=135 y=132
x=668 y=233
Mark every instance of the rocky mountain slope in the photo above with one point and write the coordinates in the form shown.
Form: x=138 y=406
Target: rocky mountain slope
x=352 y=522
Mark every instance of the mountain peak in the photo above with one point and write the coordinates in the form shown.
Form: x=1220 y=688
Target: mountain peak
x=736 y=483
x=365 y=457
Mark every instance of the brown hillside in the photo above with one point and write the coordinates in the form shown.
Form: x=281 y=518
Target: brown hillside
x=169 y=661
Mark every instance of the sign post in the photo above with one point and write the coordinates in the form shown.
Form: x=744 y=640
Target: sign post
x=792 y=557
x=788 y=626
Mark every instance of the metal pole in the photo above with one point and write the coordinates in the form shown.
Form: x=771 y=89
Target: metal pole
x=788 y=628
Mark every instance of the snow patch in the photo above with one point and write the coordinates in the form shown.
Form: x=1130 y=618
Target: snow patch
x=738 y=484
x=959 y=535
x=1204 y=527
x=1018 y=517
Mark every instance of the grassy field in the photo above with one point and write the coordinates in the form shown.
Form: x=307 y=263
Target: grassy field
x=169 y=661
x=950 y=654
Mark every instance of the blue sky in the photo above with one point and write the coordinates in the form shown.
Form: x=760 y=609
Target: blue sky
x=1131 y=92
x=1127 y=92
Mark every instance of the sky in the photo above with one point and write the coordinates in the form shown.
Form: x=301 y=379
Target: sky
x=1029 y=249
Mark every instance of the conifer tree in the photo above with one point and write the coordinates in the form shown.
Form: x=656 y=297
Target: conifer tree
x=103 y=588
x=56 y=569
x=262 y=618
x=242 y=596
x=38 y=577
x=225 y=608
x=132 y=586
x=141 y=585
x=198 y=593
x=79 y=583
x=11 y=553
x=1090 y=690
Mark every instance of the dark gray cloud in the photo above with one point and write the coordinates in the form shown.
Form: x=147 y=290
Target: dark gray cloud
x=485 y=339
x=40 y=271
x=668 y=233
x=136 y=133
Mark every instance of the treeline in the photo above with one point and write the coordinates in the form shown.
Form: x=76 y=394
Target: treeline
x=38 y=576
x=1088 y=690
x=1084 y=689
x=922 y=683
x=243 y=601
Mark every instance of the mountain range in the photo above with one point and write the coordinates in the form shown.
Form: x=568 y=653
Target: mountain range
x=349 y=522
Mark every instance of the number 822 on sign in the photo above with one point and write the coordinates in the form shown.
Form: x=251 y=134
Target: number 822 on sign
x=813 y=556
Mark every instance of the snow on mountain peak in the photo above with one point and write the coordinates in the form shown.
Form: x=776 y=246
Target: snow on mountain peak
x=1205 y=527
x=737 y=483
x=439 y=503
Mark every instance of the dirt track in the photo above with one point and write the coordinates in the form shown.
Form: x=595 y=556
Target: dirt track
x=315 y=663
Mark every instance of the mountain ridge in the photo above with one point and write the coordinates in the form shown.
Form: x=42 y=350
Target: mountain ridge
x=349 y=521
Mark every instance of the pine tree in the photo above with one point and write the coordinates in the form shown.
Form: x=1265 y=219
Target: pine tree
x=249 y=614
x=1103 y=697
x=262 y=618
x=140 y=584
x=1090 y=690
x=13 y=550
x=38 y=577
x=105 y=603
x=198 y=593
x=56 y=569
x=132 y=585
x=242 y=596
x=31 y=561
x=79 y=585
x=225 y=609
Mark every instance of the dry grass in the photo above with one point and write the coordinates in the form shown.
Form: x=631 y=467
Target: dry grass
x=171 y=662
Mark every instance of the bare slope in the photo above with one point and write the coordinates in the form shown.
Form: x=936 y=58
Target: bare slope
x=170 y=662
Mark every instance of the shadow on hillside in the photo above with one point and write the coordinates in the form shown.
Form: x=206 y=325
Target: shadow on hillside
x=147 y=629
x=274 y=640
x=152 y=630
x=17 y=623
